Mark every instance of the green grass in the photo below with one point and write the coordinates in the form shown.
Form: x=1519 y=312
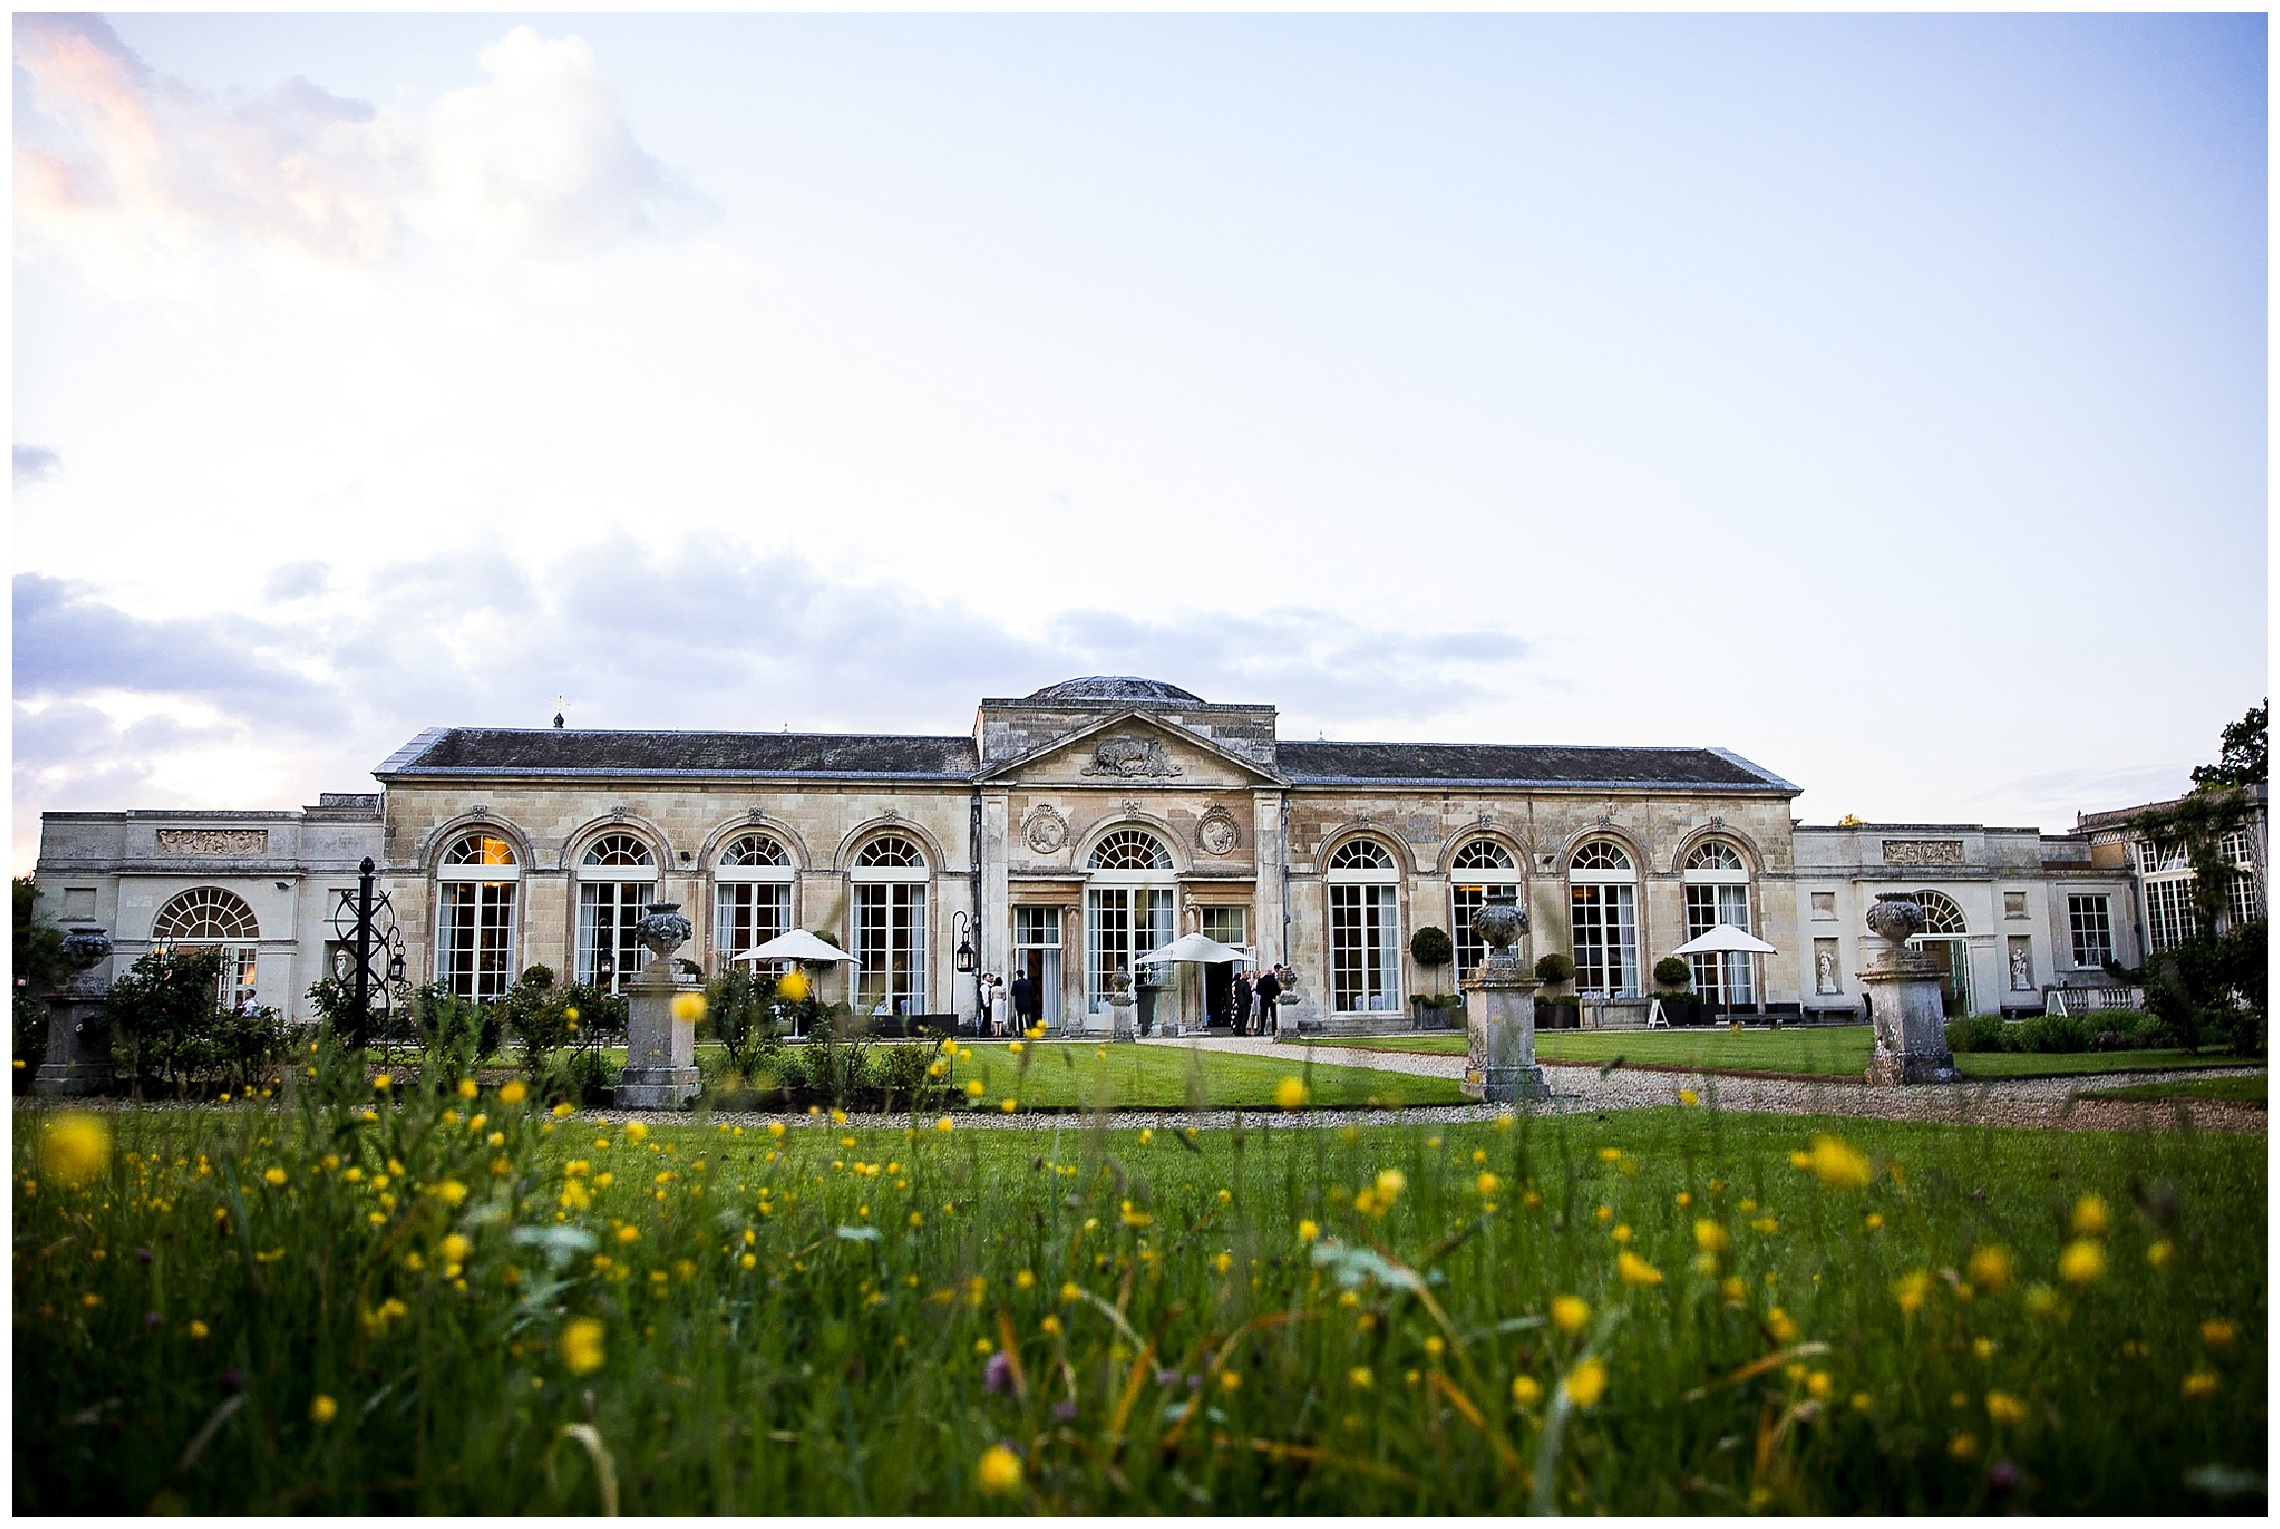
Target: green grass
x=1091 y=1074
x=1833 y=1050
x=2251 y=1089
x=801 y=1318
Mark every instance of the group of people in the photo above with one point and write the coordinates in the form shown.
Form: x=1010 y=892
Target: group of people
x=1007 y=1009
x=1252 y=1004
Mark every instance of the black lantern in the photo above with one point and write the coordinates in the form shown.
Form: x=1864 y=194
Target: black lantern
x=960 y=924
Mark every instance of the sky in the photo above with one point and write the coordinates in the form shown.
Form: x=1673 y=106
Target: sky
x=1883 y=398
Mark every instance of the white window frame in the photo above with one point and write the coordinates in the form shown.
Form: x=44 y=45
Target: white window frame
x=1719 y=894
x=482 y=968
x=1603 y=899
x=890 y=911
x=1473 y=887
x=741 y=888
x=1365 y=929
x=2090 y=913
x=614 y=887
x=2170 y=917
x=1037 y=931
x=235 y=985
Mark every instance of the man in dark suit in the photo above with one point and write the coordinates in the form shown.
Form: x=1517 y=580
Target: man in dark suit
x=1024 y=1000
x=1269 y=989
x=1239 y=998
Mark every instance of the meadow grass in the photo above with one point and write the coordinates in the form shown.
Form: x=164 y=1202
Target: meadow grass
x=2250 y=1089
x=1828 y=1051
x=353 y=1301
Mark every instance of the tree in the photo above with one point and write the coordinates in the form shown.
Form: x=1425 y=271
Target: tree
x=39 y=966
x=1432 y=949
x=2242 y=762
x=163 y=1009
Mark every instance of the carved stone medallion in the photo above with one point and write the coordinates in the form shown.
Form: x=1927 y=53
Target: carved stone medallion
x=1130 y=759
x=1044 y=830
x=1218 y=833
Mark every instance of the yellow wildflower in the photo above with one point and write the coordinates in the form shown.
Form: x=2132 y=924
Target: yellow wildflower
x=1962 y=1447
x=451 y=1192
x=273 y=1176
x=323 y=1410
x=582 y=1346
x=467 y=1088
x=998 y=1472
x=1009 y=1105
x=636 y=1132
x=1230 y=1380
x=564 y=1111
x=1487 y=1183
x=943 y=1124
x=1586 y=1383
x=1525 y=1391
x=2090 y=1218
x=1910 y=1289
x=688 y=1008
x=199 y=1329
x=2083 y=1262
x=2160 y=1253
x=1990 y=1268
x=1778 y=1323
x=76 y=1149
x=1636 y=1270
x=1839 y=1164
x=792 y=986
x=629 y=1234
x=1689 y=1096
x=974 y=1089
x=2003 y=1407
x=514 y=1093
x=1308 y=1231
x=2217 y=1333
x=2199 y=1384
x=1290 y=1093
x=1818 y=1385
x=1360 y=1378
x=1710 y=1237
x=1570 y=1313
x=2041 y=1299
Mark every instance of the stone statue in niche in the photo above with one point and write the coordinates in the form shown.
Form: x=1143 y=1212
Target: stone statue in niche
x=1825 y=972
x=1130 y=759
x=2022 y=969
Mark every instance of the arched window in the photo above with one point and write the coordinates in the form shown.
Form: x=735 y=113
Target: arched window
x=1603 y=919
x=1131 y=849
x=890 y=925
x=1129 y=911
x=752 y=894
x=475 y=886
x=212 y=918
x=617 y=879
x=891 y=850
x=1946 y=935
x=1717 y=883
x=1365 y=928
x=1482 y=872
x=1361 y=855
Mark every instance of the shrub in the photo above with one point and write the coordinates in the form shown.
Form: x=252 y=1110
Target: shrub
x=537 y=1016
x=31 y=1035
x=1430 y=947
x=1674 y=972
x=740 y=1011
x=456 y=1035
x=1554 y=967
x=161 y=1010
x=245 y=1047
x=1979 y=1032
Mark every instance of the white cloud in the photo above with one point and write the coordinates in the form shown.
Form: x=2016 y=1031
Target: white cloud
x=32 y=464
x=121 y=172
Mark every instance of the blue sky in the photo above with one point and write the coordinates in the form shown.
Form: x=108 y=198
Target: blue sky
x=1883 y=398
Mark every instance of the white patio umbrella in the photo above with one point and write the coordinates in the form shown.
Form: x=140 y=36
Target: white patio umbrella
x=798 y=945
x=1726 y=939
x=1196 y=947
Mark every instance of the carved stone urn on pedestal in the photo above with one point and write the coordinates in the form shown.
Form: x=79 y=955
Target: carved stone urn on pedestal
x=1500 y=1014
x=78 y=1059
x=1903 y=987
x=660 y=1048
x=1120 y=1006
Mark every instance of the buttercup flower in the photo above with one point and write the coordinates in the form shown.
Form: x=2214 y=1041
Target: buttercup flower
x=1290 y=1093
x=467 y=1088
x=2003 y=1407
x=998 y=1471
x=2083 y=1262
x=2217 y=1333
x=1525 y=1391
x=1636 y=1270
x=1710 y=1237
x=1840 y=1165
x=1586 y=1383
x=1990 y=1268
x=1569 y=1313
x=75 y=1150
x=514 y=1093
x=1308 y=1231
x=581 y=1346
x=2199 y=1384
x=2090 y=1218
x=1910 y=1289
x=688 y=1008
x=323 y=1410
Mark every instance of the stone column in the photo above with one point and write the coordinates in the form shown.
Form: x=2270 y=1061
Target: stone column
x=78 y=1061
x=1500 y=1015
x=660 y=1050
x=1903 y=987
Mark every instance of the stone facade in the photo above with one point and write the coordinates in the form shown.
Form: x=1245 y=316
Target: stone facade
x=1070 y=829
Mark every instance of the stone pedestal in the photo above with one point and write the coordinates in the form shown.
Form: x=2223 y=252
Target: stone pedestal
x=660 y=1051
x=79 y=1047
x=1120 y=1017
x=1903 y=988
x=1500 y=1035
x=79 y=1023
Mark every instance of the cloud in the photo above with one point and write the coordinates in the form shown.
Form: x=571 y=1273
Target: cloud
x=33 y=464
x=295 y=581
x=120 y=169
x=117 y=710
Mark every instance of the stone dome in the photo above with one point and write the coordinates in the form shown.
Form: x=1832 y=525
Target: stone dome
x=1114 y=687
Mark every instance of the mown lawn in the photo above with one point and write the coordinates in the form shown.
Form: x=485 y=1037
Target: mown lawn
x=1090 y=1075
x=2251 y=1089
x=384 y=1305
x=1830 y=1050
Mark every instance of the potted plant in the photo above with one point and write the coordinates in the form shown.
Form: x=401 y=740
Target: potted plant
x=1673 y=979
x=1432 y=949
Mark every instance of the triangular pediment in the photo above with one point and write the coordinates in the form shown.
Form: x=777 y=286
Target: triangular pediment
x=1132 y=748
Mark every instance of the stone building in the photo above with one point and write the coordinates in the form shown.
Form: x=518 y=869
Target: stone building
x=1069 y=832
x=2162 y=912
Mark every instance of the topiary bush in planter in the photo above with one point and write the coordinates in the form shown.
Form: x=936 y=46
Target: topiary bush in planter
x=1672 y=972
x=1555 y=968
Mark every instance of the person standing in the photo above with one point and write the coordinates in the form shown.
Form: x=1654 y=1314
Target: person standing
x=1025 y=1007
x=1240 y=993
x=999 y=1007
x=1268 y=990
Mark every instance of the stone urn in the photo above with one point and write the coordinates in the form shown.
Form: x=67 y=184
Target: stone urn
x=661 y=1045
x=1500 y=1014
x=78 y=1060
x=1120 y=1006
x=1903 y=988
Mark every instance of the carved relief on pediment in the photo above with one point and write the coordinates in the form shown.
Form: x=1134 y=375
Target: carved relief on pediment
x=213 y=841
x=1128 y=758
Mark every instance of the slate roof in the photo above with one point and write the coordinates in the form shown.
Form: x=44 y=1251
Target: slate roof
x=580 y=751
x=1112 y=687
x=1487 y=764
